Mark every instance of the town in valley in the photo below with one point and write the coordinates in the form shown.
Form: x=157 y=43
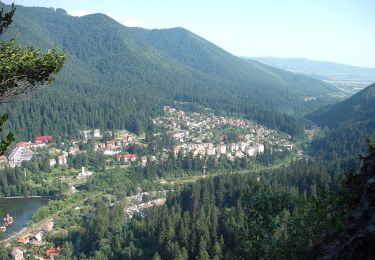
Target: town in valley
x=202 y=135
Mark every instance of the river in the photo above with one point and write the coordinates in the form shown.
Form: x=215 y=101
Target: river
x=21 y=209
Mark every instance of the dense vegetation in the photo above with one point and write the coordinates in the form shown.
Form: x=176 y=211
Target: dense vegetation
x=349 y=122
x=343 y=141
x=116 y=77
x=358 y=108
x=280 y=214
x=204 y=56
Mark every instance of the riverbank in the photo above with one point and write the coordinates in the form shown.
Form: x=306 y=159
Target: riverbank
x=26 y=231
x=22 y=210
x=28 y=197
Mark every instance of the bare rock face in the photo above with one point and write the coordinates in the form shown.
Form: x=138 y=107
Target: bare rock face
x=358 y=240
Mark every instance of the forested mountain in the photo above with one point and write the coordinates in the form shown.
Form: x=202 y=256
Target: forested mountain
x=204 y=56
x=350 y=121
x=360 y=107
x=116 y=77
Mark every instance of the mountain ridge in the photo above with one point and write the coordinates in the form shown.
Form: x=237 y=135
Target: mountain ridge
x=117 y=77
x=230 y=66
x=359 y=107
x=350 y=122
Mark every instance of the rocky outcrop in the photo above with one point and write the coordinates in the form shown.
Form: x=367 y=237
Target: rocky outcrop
x=358 y=240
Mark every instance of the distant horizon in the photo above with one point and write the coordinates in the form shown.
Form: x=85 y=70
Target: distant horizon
x=304 y=58
x=337 y=31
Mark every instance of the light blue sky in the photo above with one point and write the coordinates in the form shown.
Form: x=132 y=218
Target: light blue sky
x=333 y=30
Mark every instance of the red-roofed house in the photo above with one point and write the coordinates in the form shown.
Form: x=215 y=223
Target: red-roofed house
x=43 y=139
x=178 y=134
x=110 y=144
x=127 y=157
x=53 y=252
x=23 y=240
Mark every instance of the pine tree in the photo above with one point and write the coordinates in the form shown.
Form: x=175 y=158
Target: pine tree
x=22 y=70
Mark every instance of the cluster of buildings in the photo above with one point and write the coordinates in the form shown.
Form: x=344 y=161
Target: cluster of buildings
x=232 y=150
x=24 y=151
x=18 y=253
x=197 y=133
x=207 y=134
x=29 y=243
x=136 y=206
x=117 y=144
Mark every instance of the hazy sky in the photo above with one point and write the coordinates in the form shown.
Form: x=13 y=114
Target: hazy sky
x=333 y=30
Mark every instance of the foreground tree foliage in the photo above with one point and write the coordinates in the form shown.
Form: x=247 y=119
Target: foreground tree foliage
x=5 y=143
x=22 y=70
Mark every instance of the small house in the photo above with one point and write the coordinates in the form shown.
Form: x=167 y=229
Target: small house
x=233 y=147
x=73 y=149
x=17 y=254
x=239 y=154
x=143 y=161
x=222 y=148
x=23 y=240
x=127 y=157
x=52 y=252
x=43 y=139
x=260 y=148
x=110 y=144
x=96 y=133
x=52 y=162
x=61 y=160
x=251 y=151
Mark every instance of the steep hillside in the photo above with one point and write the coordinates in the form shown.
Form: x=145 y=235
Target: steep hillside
x=360 y=107
x=349 y=122
x=117 y=77
x=204 y=56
